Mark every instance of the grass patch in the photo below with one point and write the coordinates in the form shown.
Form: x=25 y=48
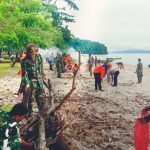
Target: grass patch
x=4 y=67
x=7 y=107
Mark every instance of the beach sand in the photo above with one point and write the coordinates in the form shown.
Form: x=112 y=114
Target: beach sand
x=96 y=120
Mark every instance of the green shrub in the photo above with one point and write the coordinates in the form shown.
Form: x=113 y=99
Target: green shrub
x=7 y=107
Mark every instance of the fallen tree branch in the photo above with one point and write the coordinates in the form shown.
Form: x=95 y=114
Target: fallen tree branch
x=53 y=107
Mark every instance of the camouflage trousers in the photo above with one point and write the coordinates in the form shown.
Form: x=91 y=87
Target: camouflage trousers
x=58 y=72
x=35 y=93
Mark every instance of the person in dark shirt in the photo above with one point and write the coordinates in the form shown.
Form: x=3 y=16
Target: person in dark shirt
x=9 y=128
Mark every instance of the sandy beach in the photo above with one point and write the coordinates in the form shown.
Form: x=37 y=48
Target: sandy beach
x=96 y=120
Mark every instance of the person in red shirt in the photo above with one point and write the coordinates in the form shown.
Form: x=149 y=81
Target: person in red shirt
x=75 y=69
x=99 y=73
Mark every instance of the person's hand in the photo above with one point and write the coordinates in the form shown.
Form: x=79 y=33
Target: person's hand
x=44 y=78
x=19 y=94
x=142 y=120
x=27 y=87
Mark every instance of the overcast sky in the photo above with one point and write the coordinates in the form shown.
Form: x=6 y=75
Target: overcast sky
x=119 y=24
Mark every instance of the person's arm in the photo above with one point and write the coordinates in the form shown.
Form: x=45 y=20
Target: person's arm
x=137 y=68
x=147 y=118
x=41 y=64
x=27 y=144
x=25 y=78
x=20 y=88
x=142 y=67
x=102 y=73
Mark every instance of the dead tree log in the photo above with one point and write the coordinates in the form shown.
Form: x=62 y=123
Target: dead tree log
x=42 y=140
x=52 y=108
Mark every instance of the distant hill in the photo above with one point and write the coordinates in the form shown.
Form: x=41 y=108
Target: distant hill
x=131 y=51
x=88 y=47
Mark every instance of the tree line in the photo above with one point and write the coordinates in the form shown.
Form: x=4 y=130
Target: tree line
x=44 y=24
x=32 y=21
x=88 y=47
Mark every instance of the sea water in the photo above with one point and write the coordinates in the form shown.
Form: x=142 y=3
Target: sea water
x=125 y=58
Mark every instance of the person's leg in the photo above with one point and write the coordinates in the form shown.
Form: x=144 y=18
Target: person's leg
x=112 y=79
x=59 y=72
x=41 y=100
x=108 y=78
x=139 y=78
x=31 y=97
x=14 y=63
x=51 y=67
x=99 y=81
x=95 y=81
x=90 y=70
x=116 y=78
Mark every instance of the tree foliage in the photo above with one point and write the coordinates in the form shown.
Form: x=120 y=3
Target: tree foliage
x=60 y=17
x=30 y=21
x=88 y=47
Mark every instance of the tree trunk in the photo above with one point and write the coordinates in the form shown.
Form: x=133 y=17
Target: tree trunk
x=42 y=140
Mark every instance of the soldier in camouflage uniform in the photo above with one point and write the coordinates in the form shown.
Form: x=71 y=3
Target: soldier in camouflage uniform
x=32 y=78
x=59 y=65
x=9 y=129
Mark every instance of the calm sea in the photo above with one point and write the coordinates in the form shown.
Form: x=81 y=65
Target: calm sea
x=125 y=58
x=128 y=58
x=132 y=58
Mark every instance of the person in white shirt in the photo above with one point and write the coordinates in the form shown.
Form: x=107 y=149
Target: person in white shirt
x=114 y=76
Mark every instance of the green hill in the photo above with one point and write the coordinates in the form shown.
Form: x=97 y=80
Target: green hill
x=88 y=47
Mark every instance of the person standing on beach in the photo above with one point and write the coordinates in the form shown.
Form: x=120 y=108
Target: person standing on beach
x=90 y=63
x=58 y=65
x=139 y=70
x=32 y=78
x=50 y=61
x=99 y=73
x=95 y=61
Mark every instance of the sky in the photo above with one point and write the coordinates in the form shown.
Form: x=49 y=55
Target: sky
x=119 y=24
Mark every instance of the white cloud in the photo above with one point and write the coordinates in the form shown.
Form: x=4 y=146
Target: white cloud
x=120 y=24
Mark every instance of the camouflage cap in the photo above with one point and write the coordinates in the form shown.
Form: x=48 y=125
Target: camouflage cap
x=31 y=48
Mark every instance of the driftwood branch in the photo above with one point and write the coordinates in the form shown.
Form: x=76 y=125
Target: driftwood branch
x=53 y=107
x=56 y=107
x=42 y=140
